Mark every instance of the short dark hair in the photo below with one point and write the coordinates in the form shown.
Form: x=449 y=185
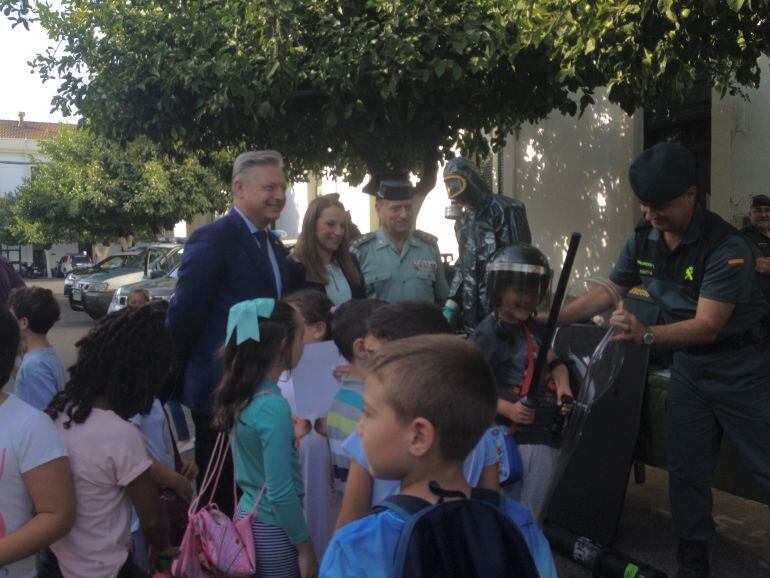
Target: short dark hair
x=443 y=379
x=314 y=306
x=349 y=323
x=407 y=319
x=9 y=344
x=38 y=305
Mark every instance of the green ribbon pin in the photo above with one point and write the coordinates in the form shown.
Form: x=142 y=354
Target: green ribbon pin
x=244 y=317
x=688 y=273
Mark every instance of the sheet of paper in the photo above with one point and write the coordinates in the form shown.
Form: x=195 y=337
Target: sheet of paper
x=314 y=384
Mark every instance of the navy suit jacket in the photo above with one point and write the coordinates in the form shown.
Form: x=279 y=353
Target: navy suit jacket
x=221 y=266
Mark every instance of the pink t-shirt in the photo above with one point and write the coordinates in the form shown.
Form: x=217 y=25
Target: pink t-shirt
x=106 y=454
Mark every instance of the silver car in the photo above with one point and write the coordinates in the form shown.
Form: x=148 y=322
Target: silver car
x=93 y=292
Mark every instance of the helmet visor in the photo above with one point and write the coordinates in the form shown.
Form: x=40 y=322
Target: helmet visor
x=455 y=185
x=529 y=282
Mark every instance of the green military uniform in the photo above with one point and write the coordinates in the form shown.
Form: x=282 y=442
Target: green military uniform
x=759 y=243
x=721 y=386
x=415 y=273
x=761 y=246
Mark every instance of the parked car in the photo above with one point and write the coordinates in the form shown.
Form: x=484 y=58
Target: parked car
x=72 y=261
x=162 y=288
x=72 y=278
x=93 y=291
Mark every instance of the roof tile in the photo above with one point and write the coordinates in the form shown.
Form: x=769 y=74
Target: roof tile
x=12 y=129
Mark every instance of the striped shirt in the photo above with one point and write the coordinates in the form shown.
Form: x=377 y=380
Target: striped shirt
x=347 y=408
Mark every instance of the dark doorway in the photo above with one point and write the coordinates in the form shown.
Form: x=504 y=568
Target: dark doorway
x=687 y=122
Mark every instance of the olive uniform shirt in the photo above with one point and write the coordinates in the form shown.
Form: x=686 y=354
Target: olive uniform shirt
x=416 y=273
x=761 y=246
x=672 y=281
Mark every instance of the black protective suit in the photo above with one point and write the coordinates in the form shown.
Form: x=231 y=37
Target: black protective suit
x=488 y=222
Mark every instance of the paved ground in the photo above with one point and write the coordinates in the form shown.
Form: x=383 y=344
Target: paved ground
x=741 y=548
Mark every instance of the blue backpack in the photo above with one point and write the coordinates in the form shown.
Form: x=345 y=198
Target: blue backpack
x=467 y=538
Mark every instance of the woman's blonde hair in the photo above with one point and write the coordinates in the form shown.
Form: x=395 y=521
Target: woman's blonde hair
x=306 y=249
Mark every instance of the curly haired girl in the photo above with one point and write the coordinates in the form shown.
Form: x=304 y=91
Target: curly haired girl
x=120 y=362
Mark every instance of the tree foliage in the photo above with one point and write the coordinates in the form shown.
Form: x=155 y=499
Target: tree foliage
x=18 y=11
x=381 y=85
x=645 y=51
x=90 y=189
x=8 y=236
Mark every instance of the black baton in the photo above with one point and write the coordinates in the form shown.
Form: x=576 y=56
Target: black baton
x=550 y=327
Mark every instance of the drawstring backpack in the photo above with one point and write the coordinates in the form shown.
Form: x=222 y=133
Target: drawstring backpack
x=214 y=546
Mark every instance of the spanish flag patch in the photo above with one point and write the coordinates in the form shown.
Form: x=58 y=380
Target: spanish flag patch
x=738 y=261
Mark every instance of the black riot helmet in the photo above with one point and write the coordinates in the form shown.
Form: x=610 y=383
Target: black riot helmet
x=464 y=183
x=520 y=267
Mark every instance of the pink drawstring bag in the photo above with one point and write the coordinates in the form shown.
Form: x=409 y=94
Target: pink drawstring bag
x=214 y=546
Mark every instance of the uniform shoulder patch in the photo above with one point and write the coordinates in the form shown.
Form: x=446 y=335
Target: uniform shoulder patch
x=363 y=239
x=427 y=237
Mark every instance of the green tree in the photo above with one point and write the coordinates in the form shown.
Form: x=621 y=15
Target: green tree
x=91 y=189
x=381 y=85
x=8 y=235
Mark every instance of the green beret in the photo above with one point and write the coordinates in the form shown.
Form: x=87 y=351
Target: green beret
x=662 y=173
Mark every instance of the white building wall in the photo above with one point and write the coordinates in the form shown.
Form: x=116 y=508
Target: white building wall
x=740 y=149
x=571 y=174
x=14 y=163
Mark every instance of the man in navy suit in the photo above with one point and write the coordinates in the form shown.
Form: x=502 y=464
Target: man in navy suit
x=233 y=259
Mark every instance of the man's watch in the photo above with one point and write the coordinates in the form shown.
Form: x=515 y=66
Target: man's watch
x=648 y=337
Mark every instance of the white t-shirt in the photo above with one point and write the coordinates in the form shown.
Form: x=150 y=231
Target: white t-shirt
x=28 y=439
x=106 y=454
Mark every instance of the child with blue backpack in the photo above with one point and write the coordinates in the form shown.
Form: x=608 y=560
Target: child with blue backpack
x=427 y=401
x=399 y=321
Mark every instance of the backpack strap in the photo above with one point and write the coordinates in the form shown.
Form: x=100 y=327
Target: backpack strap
x=489 y=496
x=402 y=505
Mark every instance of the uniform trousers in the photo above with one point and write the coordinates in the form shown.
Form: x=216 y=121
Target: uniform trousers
x=710 y=394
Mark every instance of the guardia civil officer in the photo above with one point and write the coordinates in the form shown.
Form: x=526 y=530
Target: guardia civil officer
x=700 y=272
x=758 y=234
x=399 y=263
x=487 y=223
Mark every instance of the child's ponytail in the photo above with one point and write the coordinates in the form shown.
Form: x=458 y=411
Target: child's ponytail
x=247 y=364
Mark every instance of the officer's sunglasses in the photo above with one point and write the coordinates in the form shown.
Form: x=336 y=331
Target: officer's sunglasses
x=455 y=186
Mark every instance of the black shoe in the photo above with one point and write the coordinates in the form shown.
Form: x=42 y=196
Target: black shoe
x=693 y=558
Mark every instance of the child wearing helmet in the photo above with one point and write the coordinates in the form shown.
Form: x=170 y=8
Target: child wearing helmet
x=518 y=280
